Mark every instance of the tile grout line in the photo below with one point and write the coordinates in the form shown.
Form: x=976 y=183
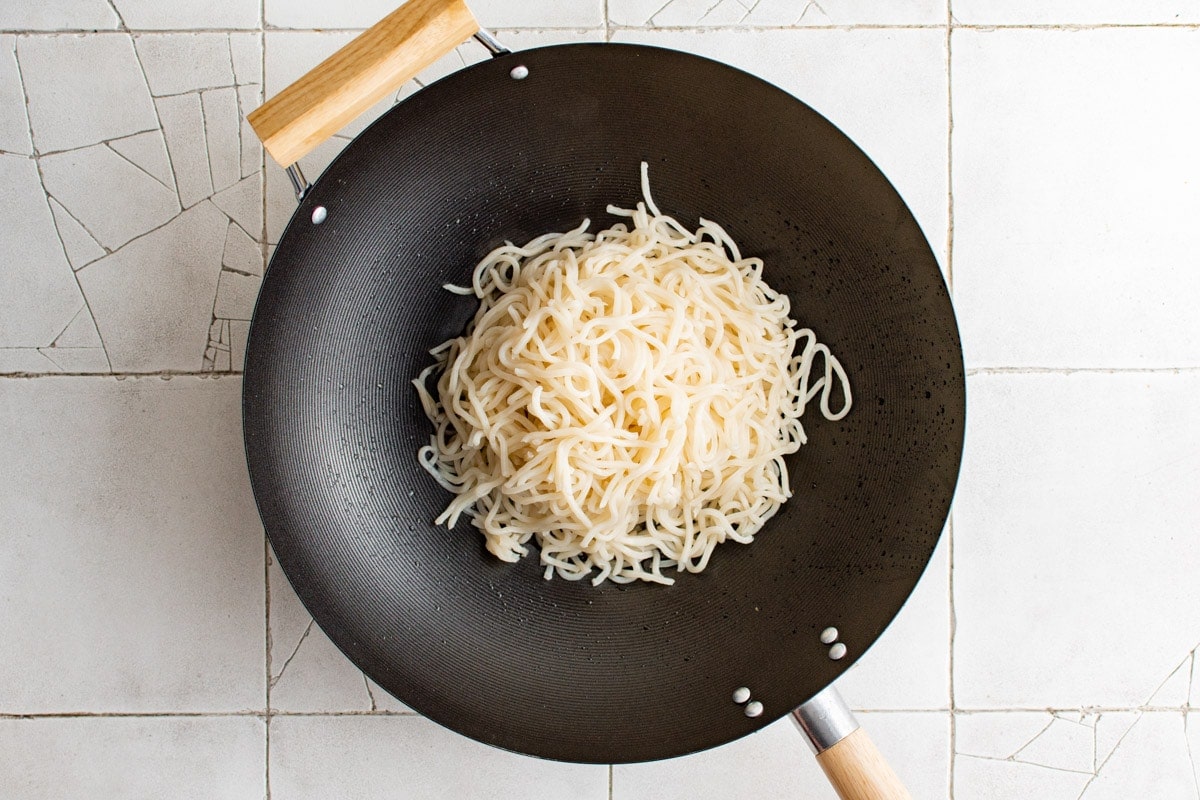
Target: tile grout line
x=1067 y=27
x=263 y=714
x=971 y=372
x=953 y=748
x=262 y=188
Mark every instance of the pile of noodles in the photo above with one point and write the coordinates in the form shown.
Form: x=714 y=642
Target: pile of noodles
x=625 y=398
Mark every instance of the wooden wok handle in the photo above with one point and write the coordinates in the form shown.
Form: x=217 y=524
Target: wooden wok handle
x=858 y=771
x=354 y=78
x=852 y=763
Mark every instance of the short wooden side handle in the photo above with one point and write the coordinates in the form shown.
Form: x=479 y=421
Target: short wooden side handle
x=354 y=78
x=857 y=770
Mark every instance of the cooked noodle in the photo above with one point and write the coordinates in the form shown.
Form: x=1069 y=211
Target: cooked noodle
x=627 y=398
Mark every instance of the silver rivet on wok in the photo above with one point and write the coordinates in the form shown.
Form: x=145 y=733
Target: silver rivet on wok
x=319 y=214
x=754 y=709
x=519 y=72
x=837 y=651
x=829 y=635
x=741 y=695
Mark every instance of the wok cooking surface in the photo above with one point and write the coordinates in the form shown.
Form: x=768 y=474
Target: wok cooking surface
x=349 y=309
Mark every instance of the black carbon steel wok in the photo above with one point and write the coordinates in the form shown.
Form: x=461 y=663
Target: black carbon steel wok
x=350 y=307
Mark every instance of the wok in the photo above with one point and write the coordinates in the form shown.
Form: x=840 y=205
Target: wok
x=517 y=146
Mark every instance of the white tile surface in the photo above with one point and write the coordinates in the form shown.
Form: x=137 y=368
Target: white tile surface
x=59 y=15
x=1073 y=12
x=495 y=14
x=14 y=125
x=379 y=756
x=774 y=13
x=308 y=672
x=1088 y=756
x=38 y=296
x=146 y=203
x=1076 y=193
x=176 y=63
x=153 y=15
x=148 y=152
x=132 y=561
x=209 y=758
x=1075 y=523
x=72 y=107
x=776 y=764
x=153 y=299
x=886 y=89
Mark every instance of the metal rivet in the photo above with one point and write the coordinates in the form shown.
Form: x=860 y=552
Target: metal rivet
x=741 y=695
x=829 y=635
x=519 y=72
x=754 y=709
x=319 y=215
x=837 y=651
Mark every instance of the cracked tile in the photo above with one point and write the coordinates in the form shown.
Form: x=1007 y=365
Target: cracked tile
x=245 y=54
x=59 y=15
x=241 y=252
x=370 y=756
x=18 y=360
x=185 y=62
x=986 y=779
x=236 y=295
x=80 y=332
x=1194 y=681
x=308 y=672
x=778 y=765
x=775 y=13
x=142 y=202
x=70 y=106
x=209 y=758
x=1174 y=690
x=243 y=203
x=14 y=127
x=38 y=296
x=222 y=131
x=78 y=347
x=1034 y=285
x=77 y=359
x=1074 y=12
x=250 y=98
x=1040 y=489
x=148 y=569
x=239 y=332
x=155 y=15
x=1063 y=744
x=216 y=353
x=153 y=298
x=183 y=129
x=1153 y=760
x=149 y=151
x=1111 y=729
x=81 y=248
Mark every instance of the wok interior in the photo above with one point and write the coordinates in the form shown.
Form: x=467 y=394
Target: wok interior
x=350 y=308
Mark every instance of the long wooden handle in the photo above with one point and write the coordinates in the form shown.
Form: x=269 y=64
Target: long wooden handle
x=354 y=78
x=858 y=771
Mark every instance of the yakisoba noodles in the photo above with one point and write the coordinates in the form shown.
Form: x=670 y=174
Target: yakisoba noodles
x=625 y=398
